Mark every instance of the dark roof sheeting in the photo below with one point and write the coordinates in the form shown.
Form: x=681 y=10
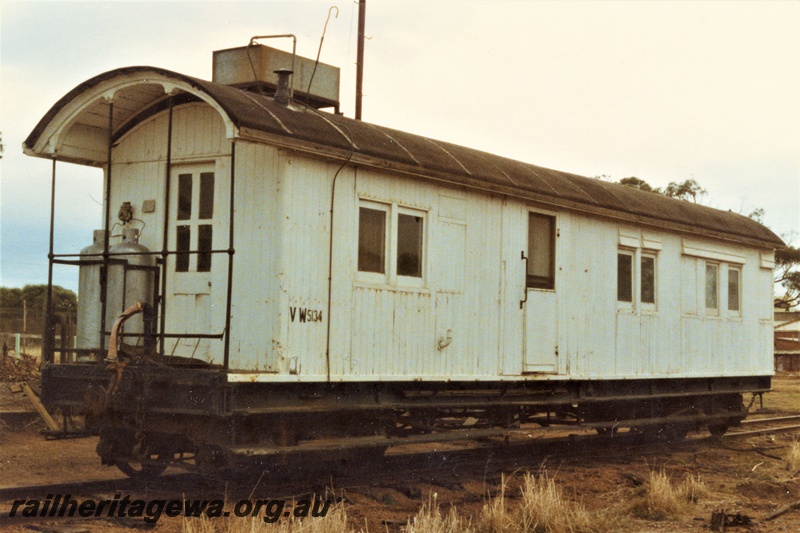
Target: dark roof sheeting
x=459 y=164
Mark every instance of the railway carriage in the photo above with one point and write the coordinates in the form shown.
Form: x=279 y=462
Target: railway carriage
x=274 y=279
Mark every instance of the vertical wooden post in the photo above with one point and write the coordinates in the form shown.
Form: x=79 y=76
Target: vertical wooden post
x=362 y=14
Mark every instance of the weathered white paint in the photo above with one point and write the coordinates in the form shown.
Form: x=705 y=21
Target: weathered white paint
x=386 y=328
x=195 y=301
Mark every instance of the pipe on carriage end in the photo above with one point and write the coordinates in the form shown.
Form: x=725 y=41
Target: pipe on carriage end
x=283 y=92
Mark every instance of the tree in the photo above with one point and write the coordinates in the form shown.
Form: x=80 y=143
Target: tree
x=757 y=214
x=640 y=184
x=787 y=260
x=10 y=298
x=64 y=300
x=787 y=274
x=684 y=190
x=787 y=268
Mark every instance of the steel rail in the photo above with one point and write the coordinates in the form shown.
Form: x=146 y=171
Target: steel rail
x=400 y=462
x=775 y=419
x=778 y=429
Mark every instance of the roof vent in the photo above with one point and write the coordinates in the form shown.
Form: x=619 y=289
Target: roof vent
x=255 y=68
x=282 y=91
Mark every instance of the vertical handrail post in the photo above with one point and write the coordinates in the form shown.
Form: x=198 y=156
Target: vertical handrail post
x=165 y=240
x=231 y=251
x=49 y=328
x=106 y=222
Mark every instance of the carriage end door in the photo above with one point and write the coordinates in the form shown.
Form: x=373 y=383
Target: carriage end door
x=540 y=305
x=192 y=230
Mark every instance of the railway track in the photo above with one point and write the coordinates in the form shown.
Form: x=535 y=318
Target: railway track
x=769 y=429
x=398 y=468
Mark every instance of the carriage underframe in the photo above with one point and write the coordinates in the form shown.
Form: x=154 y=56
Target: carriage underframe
x=150 y=416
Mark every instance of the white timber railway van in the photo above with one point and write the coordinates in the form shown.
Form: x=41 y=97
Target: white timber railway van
x=311 y=283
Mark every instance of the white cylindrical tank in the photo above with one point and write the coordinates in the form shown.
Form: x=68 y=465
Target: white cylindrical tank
x=128 y=286
x=90 y=306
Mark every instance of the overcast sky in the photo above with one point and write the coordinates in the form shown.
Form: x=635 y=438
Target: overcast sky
x=662 y=91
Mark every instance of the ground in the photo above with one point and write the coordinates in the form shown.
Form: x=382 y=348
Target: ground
x=747 y=475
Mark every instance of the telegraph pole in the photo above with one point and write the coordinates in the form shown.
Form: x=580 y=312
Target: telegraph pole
x=362 y=13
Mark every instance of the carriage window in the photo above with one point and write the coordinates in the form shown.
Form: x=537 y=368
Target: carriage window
x=409 y=245
x=371 y=240
x=541 y=251
x=733 y=290
x=625 y=277
x=184 y=196
x=712 y=288
x=648 y=275
x=206 y=195
x=184 y=242
x=391 y=243
x=193 y=239
x=204 y=238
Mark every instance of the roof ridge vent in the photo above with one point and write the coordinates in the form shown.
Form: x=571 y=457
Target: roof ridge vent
x=255 y=68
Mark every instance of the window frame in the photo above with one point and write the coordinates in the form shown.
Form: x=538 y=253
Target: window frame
x=636 y=304
x=369 y=275
x=410 y=281
x=711 y=311
x=549 y=282
x=625 y=304
x=196 y=207
x=391 y=230
x=734 y=313
x=648 y=306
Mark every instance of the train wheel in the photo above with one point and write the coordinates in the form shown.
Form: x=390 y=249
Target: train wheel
x=142 y=471
x=717 y=430
x=673 y=433
x=212 y=462
x=666 y=433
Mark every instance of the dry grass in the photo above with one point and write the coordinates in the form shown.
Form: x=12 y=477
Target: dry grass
x=694 y=488
x=430 y=519
x=792 y=457
x=785 y=395
x=662 y=500
x=542 y=508
x=334 y=522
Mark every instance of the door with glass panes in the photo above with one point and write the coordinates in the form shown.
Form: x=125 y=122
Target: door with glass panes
x=541 y=309
x=192 y=233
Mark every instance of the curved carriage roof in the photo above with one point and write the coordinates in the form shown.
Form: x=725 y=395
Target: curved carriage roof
x=76 y=129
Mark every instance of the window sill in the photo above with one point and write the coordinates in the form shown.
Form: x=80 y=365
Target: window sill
x=638 y=312
x=360 y=284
